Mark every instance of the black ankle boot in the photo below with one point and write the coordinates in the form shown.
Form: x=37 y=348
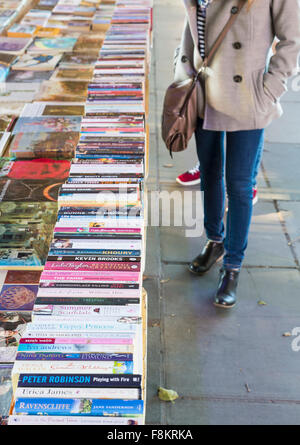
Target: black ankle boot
x=211 y=253
x=226 y=293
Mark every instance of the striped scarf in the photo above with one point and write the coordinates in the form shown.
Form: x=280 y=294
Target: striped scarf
x=204 y=3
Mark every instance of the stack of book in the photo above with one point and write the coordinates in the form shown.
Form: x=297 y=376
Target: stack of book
x=10 y=10
x=73 y=208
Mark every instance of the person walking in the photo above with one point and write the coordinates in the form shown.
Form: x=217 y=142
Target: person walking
x=238 y=97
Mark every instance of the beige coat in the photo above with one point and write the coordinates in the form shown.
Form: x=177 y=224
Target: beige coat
x=244 y=86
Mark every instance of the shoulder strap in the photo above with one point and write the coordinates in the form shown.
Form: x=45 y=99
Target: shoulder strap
x=234 y=15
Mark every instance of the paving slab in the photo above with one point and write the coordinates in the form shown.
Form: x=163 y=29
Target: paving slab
x=285 y=129
x=231 y=412
x=267 y=244
x=282 y=165
x=227 y=350
x=291 y=215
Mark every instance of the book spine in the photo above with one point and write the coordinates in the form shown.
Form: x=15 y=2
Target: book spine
x=78 y=301
x=94 y=258
x=79 y=380
x=83 y=356
x=50 y=367
x=91 y=393
x=91 y=266
x=119 y=252
x=81 y=326
x=43 y=311
x=66 y=420
x=89 y=407
x=74 y=348
x=109 y=229
x=89 y=335
x=90 y=276
x=76 y=341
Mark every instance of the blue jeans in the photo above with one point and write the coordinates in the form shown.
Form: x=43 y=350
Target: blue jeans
x=243 y=155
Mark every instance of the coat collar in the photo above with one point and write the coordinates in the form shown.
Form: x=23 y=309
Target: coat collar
x=191 y=10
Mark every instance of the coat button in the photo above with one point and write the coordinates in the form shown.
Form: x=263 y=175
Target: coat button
x=184 y=59
x=237 y=45
x=234 y=10
x=238 y=79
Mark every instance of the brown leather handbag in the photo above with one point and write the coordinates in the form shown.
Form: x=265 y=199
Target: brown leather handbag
x=180 y=110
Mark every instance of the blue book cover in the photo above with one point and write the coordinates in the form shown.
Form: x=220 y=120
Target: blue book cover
x=74 y=356
x=80 y=380
x=78 y=407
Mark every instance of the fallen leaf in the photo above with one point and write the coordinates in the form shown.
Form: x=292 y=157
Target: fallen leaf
x=155 y=324
x=168 y=165
x=165 y=281
x=262 y=303
x=167 y=395
x=247 y=387
x=287 y=334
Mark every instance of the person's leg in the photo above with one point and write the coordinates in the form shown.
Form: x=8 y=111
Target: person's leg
x=210 y=148
x=244 y=149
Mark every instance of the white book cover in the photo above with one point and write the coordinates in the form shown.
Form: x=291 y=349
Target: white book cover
x=74 y=393
x=73 y=420
x=18 y=92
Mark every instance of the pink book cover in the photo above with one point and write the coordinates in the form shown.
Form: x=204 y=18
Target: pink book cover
x=96 y=230
x=91 y=266
x=78 y=341
x=75 y=276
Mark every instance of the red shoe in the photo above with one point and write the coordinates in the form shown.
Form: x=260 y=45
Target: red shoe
x=191 y=177
x=255 y=196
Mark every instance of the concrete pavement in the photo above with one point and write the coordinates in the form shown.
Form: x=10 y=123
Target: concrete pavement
x=228 y=367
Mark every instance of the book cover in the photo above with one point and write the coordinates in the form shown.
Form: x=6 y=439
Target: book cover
x=83 y=74
x=42 y=186
x=4 y=141
x=47 y=124
x=14 y=45
x=42 y=31
x=26 y=233
x=19 y=30
x=75 y=60
x=28 y=76
x=6 y=391
x=12 y=327
x=19 y=290
x=53 y=45
x=38 y=62
x=89 y=43
x=63 y=110
x=63 y=91
x=18 y=92
x=56 y=145
x=52 y=109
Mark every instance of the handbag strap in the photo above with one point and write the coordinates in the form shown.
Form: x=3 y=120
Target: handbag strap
x=234 y=15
